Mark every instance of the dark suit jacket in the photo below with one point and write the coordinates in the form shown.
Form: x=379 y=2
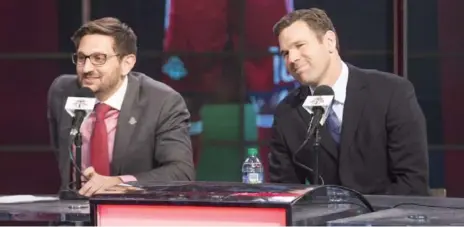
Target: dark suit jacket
x=156 y=148
x=383 y=148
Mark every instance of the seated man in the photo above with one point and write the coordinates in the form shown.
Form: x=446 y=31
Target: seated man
x=138 y=130
x=375 y=137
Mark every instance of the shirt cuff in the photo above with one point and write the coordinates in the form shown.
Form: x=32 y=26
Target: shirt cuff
x=127 y=178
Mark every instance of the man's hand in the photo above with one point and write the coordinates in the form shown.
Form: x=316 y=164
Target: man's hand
x=97 y=183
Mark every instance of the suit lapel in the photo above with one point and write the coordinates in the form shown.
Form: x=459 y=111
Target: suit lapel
x=305 y=116
x=127 y=121
x=301 y=96
x=356 y=96
x=66 y=119
x=64 y=128
x=327 y=142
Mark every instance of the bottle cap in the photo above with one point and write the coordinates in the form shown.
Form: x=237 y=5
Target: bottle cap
x=252 y=152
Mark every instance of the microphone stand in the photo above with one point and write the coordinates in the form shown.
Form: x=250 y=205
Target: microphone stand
x=73 y=194
x=78 y=159
x=316 y=145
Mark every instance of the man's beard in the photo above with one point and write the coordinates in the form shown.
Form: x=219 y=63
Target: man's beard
x=108 y=85
x=112 y=85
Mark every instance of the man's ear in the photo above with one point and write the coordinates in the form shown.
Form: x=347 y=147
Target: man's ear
x=128 y=63
x=330 y=39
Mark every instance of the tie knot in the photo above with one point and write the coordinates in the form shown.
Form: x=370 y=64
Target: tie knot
x=100 y=111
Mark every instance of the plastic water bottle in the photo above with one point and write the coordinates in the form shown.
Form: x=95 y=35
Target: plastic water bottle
x=252 y=168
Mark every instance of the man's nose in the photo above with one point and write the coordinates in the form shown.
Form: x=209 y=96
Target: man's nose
x=294 y=56
x=88 y=66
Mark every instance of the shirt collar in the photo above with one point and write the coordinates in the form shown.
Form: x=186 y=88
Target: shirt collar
x=339 y=87
x=115 y=101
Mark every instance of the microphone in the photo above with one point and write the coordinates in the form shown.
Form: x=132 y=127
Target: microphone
x=79 y=107
x=318 y=104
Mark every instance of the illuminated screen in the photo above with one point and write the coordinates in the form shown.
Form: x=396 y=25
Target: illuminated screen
x=158 y=215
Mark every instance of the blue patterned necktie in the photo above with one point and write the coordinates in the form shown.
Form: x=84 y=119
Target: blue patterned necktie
x=334 y=126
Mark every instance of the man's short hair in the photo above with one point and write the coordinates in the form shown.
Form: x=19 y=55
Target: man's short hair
x=125 y=40
x=316 y=19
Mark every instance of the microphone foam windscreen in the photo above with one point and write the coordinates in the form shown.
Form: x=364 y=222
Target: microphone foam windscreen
x=323 y=90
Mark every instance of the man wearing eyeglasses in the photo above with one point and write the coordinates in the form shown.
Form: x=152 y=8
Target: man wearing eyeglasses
x=138 y=130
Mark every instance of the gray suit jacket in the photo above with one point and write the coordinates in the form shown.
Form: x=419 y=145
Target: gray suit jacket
x=156 y=148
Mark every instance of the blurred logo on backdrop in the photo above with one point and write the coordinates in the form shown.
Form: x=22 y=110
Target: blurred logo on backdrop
x=175 y=68
x=265 y=103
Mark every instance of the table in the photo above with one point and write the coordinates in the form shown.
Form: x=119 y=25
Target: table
x=49 y=212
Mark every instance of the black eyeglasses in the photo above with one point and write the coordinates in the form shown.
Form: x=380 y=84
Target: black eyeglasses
x=95 y=58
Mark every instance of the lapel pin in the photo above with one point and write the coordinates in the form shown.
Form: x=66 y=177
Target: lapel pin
x=132 y=121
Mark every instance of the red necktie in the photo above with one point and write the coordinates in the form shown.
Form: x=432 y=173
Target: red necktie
x=99 y=142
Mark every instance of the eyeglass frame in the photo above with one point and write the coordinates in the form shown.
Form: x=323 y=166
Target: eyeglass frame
x=74 y=58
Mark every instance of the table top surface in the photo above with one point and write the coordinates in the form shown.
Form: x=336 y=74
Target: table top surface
x=410 y=210
x=386 y=201
x=211 y=192
x=46 y=211
x=410 y=216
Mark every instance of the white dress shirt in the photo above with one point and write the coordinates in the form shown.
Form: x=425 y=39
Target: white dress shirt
x=339 y=89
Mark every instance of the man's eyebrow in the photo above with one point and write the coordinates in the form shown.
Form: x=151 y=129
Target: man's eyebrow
x=283 y=52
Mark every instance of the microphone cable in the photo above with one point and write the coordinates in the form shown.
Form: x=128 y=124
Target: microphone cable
x=74 y=164
x=307 y=137
x=355 y=193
